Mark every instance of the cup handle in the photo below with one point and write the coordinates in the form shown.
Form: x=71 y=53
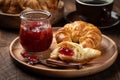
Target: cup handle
x=106 y=14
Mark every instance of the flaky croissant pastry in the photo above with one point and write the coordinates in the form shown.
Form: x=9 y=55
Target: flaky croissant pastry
x=88 y=35
x=16 y=6
x=73 y=52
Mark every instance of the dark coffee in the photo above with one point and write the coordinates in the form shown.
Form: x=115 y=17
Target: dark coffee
x=95 y=2
x=94 y=11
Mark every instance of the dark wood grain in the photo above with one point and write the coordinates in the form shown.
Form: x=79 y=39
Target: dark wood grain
x=10 y=71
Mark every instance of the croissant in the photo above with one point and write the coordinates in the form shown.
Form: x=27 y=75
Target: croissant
x=73 y=52
x=16 y=6
x=86 y=34
x=13 y=7
x=32 y=4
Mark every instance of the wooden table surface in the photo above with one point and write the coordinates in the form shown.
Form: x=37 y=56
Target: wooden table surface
x=10 y=71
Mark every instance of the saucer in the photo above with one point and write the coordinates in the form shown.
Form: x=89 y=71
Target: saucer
x=74 y=16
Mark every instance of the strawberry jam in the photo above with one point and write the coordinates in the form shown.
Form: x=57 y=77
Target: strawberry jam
x=35 y=36
x=66 y=51
x=30 y=59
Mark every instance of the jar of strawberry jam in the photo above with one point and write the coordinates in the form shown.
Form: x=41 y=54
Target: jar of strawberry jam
x=35 y=30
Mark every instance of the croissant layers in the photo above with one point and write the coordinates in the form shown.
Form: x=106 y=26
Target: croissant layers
x=86 y=34
x=16 y=6
x=73 y=52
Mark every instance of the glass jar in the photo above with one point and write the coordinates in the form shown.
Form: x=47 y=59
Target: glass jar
x=35 y=30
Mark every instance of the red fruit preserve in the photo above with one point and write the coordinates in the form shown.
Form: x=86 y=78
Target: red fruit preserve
x=66 y=51
x=35 y=37
x=35 y=30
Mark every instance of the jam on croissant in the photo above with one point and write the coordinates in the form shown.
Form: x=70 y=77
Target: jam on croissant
x=73 y=52
x=86 y=34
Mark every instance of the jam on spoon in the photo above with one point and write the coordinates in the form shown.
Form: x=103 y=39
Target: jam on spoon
x=30 y=59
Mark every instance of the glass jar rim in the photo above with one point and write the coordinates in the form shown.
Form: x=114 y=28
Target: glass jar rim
x=26 y=12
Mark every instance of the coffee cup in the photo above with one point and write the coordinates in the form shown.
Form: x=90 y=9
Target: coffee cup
x=97 y=12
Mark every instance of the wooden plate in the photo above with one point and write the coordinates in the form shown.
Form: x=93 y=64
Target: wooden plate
x=107 y=47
